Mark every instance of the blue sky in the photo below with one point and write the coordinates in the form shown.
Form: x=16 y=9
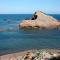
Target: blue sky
x=29 y=6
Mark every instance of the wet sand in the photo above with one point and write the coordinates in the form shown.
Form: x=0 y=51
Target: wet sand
x=14 y=56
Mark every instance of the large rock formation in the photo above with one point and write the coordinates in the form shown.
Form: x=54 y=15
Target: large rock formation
x=40 y=20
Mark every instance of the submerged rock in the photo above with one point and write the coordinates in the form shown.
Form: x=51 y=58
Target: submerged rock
x=40 y=20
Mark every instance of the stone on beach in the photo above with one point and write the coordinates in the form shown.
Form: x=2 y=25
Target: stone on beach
x=41 y=54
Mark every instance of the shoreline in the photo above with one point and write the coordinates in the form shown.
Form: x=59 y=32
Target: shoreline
x=18 y=55
x=23 y=50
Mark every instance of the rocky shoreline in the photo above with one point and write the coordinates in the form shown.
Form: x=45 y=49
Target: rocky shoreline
x=41 y=54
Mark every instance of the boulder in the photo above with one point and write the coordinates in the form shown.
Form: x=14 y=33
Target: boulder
x=40 y=20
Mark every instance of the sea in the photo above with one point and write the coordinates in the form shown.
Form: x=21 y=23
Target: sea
x=14 y=39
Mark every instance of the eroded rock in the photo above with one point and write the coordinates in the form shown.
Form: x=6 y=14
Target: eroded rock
x=40 y=20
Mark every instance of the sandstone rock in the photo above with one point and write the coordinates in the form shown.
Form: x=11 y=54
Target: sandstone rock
x=40 y=20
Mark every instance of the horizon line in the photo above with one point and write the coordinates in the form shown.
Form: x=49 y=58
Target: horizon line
x=28 y=13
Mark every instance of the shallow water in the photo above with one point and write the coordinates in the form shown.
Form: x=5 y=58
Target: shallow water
x=12 y=39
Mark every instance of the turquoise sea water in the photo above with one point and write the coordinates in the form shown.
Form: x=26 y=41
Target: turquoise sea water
x=12 y=39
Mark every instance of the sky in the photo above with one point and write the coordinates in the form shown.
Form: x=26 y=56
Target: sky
x=29 y=6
